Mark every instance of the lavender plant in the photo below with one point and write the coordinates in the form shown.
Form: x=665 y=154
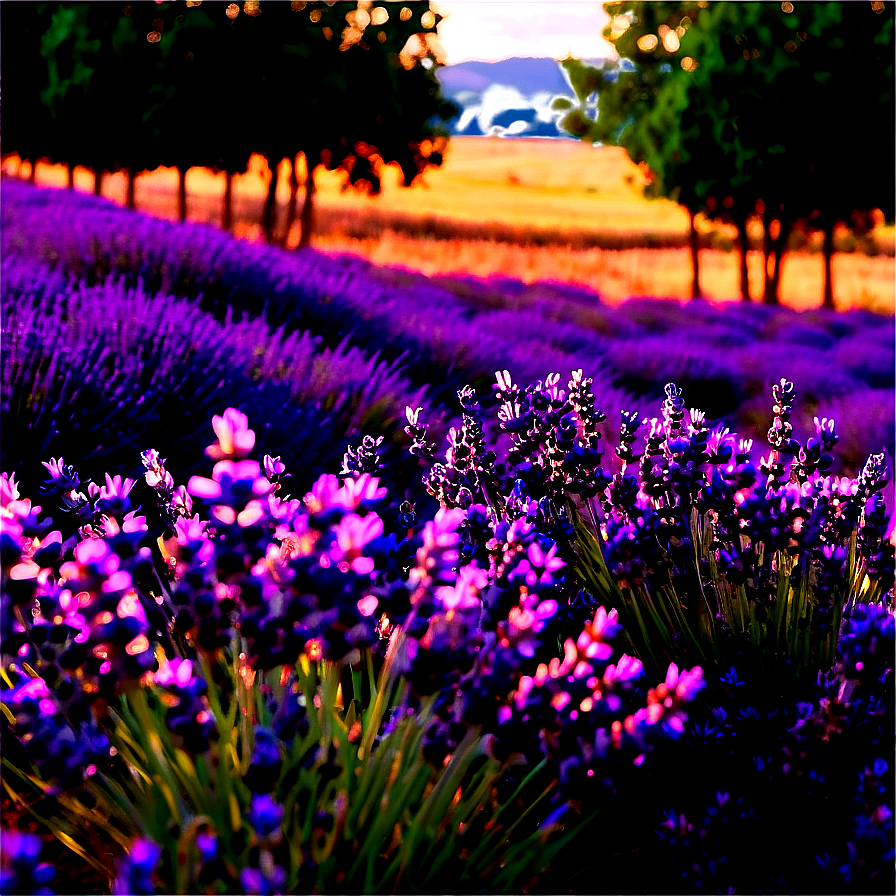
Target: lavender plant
x=273 y=694
x=704 y=555
x=771 y=574
x=75 y=357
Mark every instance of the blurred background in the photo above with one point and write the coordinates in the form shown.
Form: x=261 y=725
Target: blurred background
x=751 y=141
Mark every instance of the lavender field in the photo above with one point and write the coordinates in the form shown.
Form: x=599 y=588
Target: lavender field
x=179 y=311
x=477 y=560
x=599 y=616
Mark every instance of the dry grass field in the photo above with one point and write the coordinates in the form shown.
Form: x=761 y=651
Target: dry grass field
x=563 y=188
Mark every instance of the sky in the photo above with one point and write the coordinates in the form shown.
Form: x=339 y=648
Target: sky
x=497 y=29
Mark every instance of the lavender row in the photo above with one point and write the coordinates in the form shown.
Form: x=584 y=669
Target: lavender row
x=96 y=369
x=457 y=329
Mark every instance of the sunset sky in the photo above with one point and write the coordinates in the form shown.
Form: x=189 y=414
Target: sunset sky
x=497 y=29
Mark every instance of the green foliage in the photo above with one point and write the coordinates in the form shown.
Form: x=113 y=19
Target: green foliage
x=659 y=626
x=747 y=108
x=144 y=84
x=365 y=814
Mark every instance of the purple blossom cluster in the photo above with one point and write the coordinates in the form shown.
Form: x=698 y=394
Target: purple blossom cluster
x=22 y=871
x=95 y=615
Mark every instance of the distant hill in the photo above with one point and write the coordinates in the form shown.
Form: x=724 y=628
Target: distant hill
x=529 y=74
x=511 y=97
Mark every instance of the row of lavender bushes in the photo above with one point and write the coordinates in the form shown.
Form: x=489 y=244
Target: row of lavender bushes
x=94 y=370
x=661 y=669
x=453 y=330
x=98 y=365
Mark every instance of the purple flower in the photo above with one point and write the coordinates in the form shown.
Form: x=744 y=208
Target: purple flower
x=235 y=439
x=136 y=869
x=21 y=872
x=266 y=817
x=256 y=883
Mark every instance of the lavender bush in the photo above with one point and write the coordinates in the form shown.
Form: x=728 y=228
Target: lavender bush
x=769 y=574
x=776 y=551
x=75 y=357
x=272 y=694
x=336 y=692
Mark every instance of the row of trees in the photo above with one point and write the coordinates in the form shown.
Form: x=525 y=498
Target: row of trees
x=131 y=87
x=781 y=111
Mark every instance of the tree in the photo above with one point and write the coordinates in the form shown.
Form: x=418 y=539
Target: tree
x=342 y=85
x=734 y=107
x=134 y=86
x=27 y=127
x=377 y=100
x=636 y=104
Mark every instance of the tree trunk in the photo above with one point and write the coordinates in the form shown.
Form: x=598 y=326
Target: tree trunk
x=693 y=237
x=743 y=240
x=269 y=214
x=227 y=212
x=70 y=182
x=32 y=175
x=97 y=183
x=780 y=250
x=293 y=197
x=182 y=195
x=828 y=255
x=768 y=249
x=131 y=189
x=308 y=206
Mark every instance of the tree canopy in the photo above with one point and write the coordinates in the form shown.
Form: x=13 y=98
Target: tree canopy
x=742 y=109
x=115 y=86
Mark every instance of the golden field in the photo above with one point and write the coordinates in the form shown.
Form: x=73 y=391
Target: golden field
x=566 y=189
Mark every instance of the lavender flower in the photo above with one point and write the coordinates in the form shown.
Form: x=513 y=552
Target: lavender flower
x=266 y=817
x=137 y=869
x=22 y=872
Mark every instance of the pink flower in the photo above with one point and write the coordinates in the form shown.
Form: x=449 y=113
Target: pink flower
x=56 y=468
x=182 y=503
x=354 y=491
x=251 y=514
x=538 y=565
x=295 y=539
x=627 y=669
x=9 y=489
x=439 y=532
x=464 y=593
x=130 y=606
x=17 y=507
x=92 y=551
x=71 y=607
x=235 y=439
x=176 y=672
x=367 y=605
x=352 y=536
x=190 y=528
x=687 y=684
x=323 y=493
x=115 y=487
x=134 y=523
